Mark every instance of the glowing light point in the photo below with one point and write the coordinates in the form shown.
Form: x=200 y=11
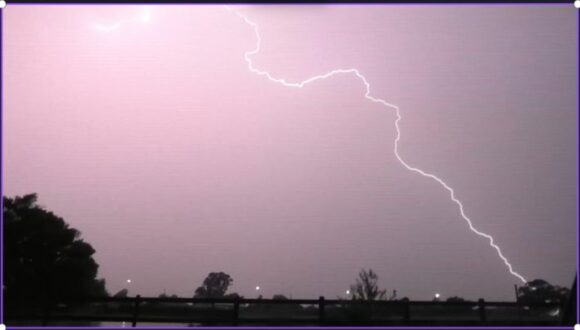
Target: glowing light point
x=3 y=5
x=437 y=296
x=577 y=327
x=347 y=291
x=257 y=288
x=3 y=327
x=129 y=281
x=577 y=5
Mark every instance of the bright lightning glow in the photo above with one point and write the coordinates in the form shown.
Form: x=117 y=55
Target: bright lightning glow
x=248 y=57
x=107 y=28
x=145 y=15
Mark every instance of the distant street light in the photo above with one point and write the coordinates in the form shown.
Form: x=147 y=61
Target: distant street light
x=257 y=288
x=347 y=292
x=437 y=296
x=128 y=281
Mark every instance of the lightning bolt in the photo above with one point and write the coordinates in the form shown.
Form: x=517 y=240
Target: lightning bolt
x=144 y=17
x=248 y=57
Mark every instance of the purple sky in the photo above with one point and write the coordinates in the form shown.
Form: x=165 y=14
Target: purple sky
x=144 y=128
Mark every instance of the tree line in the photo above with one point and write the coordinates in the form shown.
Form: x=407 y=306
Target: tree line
x=47 y=260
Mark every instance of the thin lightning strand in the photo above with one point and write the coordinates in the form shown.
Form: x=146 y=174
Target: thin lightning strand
x=144 y=17
x=356 y=72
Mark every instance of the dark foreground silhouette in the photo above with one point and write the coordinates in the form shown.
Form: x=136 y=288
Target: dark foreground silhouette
x=235 y=311
x=51 y=279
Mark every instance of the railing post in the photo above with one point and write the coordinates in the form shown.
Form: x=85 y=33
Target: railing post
x=562 y=310
x=46 y=312
x=518 y=312
x=481 y=304
x=321 y=310
x=407 y=311
x=236 y=311
x=136 y=310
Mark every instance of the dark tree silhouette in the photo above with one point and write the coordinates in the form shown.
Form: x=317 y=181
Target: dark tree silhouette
x=123 y=293
x=163 y=295
x=215 y=285
x=44 y=258
x=539 y=291
x=366 y=287
x=233 y=295
x=455 y=299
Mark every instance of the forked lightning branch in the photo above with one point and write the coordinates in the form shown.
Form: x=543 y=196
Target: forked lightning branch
x=355 y=72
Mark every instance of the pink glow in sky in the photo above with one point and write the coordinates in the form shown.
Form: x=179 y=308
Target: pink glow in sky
x=144 y=129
